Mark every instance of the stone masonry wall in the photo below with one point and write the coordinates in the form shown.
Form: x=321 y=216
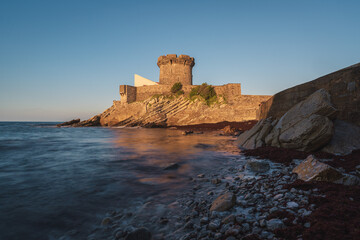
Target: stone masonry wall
x=175 y=69
x=229 y=91
x=127 y=93
x=343 y=86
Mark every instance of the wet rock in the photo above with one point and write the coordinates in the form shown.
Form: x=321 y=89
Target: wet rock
x=245 y=227
x=313 y=169
x=139 y=234
x=105 y=221
x=215 y=181
x=218 y=235
x=172 y=166
x=187 y=132
x=256 y=230
x=189 y=225
x=278 y=196
x=228 y=219
x=204 y=220
x=240 y=219
x=275 y=223
x=349 y=180
x=232 y=232
x=223 y=202
x=213 y=225
x=230 y=238
x=259 y=166
x=274 y=209
x=69 y=123
x=292 y=205
x=345 y=138
x=230 y=131
x=262 y=223
x=119 y=233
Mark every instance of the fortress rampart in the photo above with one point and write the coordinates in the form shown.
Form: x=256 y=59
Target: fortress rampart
x=229 y=91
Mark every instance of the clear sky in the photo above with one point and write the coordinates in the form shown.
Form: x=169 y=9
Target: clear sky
x=65 y=59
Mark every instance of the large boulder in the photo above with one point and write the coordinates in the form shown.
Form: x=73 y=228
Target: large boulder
x=308 y=134
x=307 y=126
x=345 y=139
x=255 y=137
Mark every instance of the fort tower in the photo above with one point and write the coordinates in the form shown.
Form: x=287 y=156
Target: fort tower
x=175 y=69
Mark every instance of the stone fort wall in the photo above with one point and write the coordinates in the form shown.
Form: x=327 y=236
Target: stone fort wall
x=131 y=94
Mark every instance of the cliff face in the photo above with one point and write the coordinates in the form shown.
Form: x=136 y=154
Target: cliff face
x=164 y=112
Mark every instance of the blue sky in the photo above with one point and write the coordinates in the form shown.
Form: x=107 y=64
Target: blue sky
x=65 y=59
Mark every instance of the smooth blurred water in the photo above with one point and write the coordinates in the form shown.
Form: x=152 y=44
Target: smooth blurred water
x=54 y=180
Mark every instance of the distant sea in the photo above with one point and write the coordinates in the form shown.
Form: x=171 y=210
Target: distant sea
x=55 y=180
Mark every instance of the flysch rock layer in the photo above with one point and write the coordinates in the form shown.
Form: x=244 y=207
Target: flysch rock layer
x=163 y=111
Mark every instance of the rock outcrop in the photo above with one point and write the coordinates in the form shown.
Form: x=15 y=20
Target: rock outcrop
x=306 y=127
x=72 y=122
x=342 y=85
x=163 y=111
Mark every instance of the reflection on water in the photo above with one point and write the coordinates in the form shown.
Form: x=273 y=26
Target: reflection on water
x=54 y=180
x=159 y=148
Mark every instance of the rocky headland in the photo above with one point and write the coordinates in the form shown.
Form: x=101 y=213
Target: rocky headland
x=167 y=111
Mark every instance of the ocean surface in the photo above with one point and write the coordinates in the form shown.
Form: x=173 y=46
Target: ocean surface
x=55 y=180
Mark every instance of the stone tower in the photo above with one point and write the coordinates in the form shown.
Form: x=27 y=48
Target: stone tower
x=175 y=69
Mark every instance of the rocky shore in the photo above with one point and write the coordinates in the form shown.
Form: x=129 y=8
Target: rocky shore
x=251 y=197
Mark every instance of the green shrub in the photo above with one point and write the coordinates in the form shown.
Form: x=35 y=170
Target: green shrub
x=180 y=92
x=176 y=87
x=207 y=92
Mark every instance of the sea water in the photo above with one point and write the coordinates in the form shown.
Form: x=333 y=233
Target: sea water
x=54 y=180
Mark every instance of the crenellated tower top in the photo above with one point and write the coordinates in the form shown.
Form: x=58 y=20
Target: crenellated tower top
x=175 y=69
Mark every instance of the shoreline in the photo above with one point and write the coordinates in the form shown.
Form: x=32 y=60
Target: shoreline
x=239 y=126
x=270 y=204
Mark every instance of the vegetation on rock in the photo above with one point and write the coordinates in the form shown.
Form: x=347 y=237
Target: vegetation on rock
x=207 y=92
x=176 y=87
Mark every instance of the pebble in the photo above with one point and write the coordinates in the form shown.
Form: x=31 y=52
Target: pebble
x=278 y=196
x=274 y=223
x=228 y=219
x=204 y=220
x=245 y=227
x=139 y=234
x=249 y=199
x=292 y=205
x=214 y=225
x=105 y=221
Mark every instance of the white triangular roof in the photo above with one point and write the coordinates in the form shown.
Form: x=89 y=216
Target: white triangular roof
x=141 y=81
